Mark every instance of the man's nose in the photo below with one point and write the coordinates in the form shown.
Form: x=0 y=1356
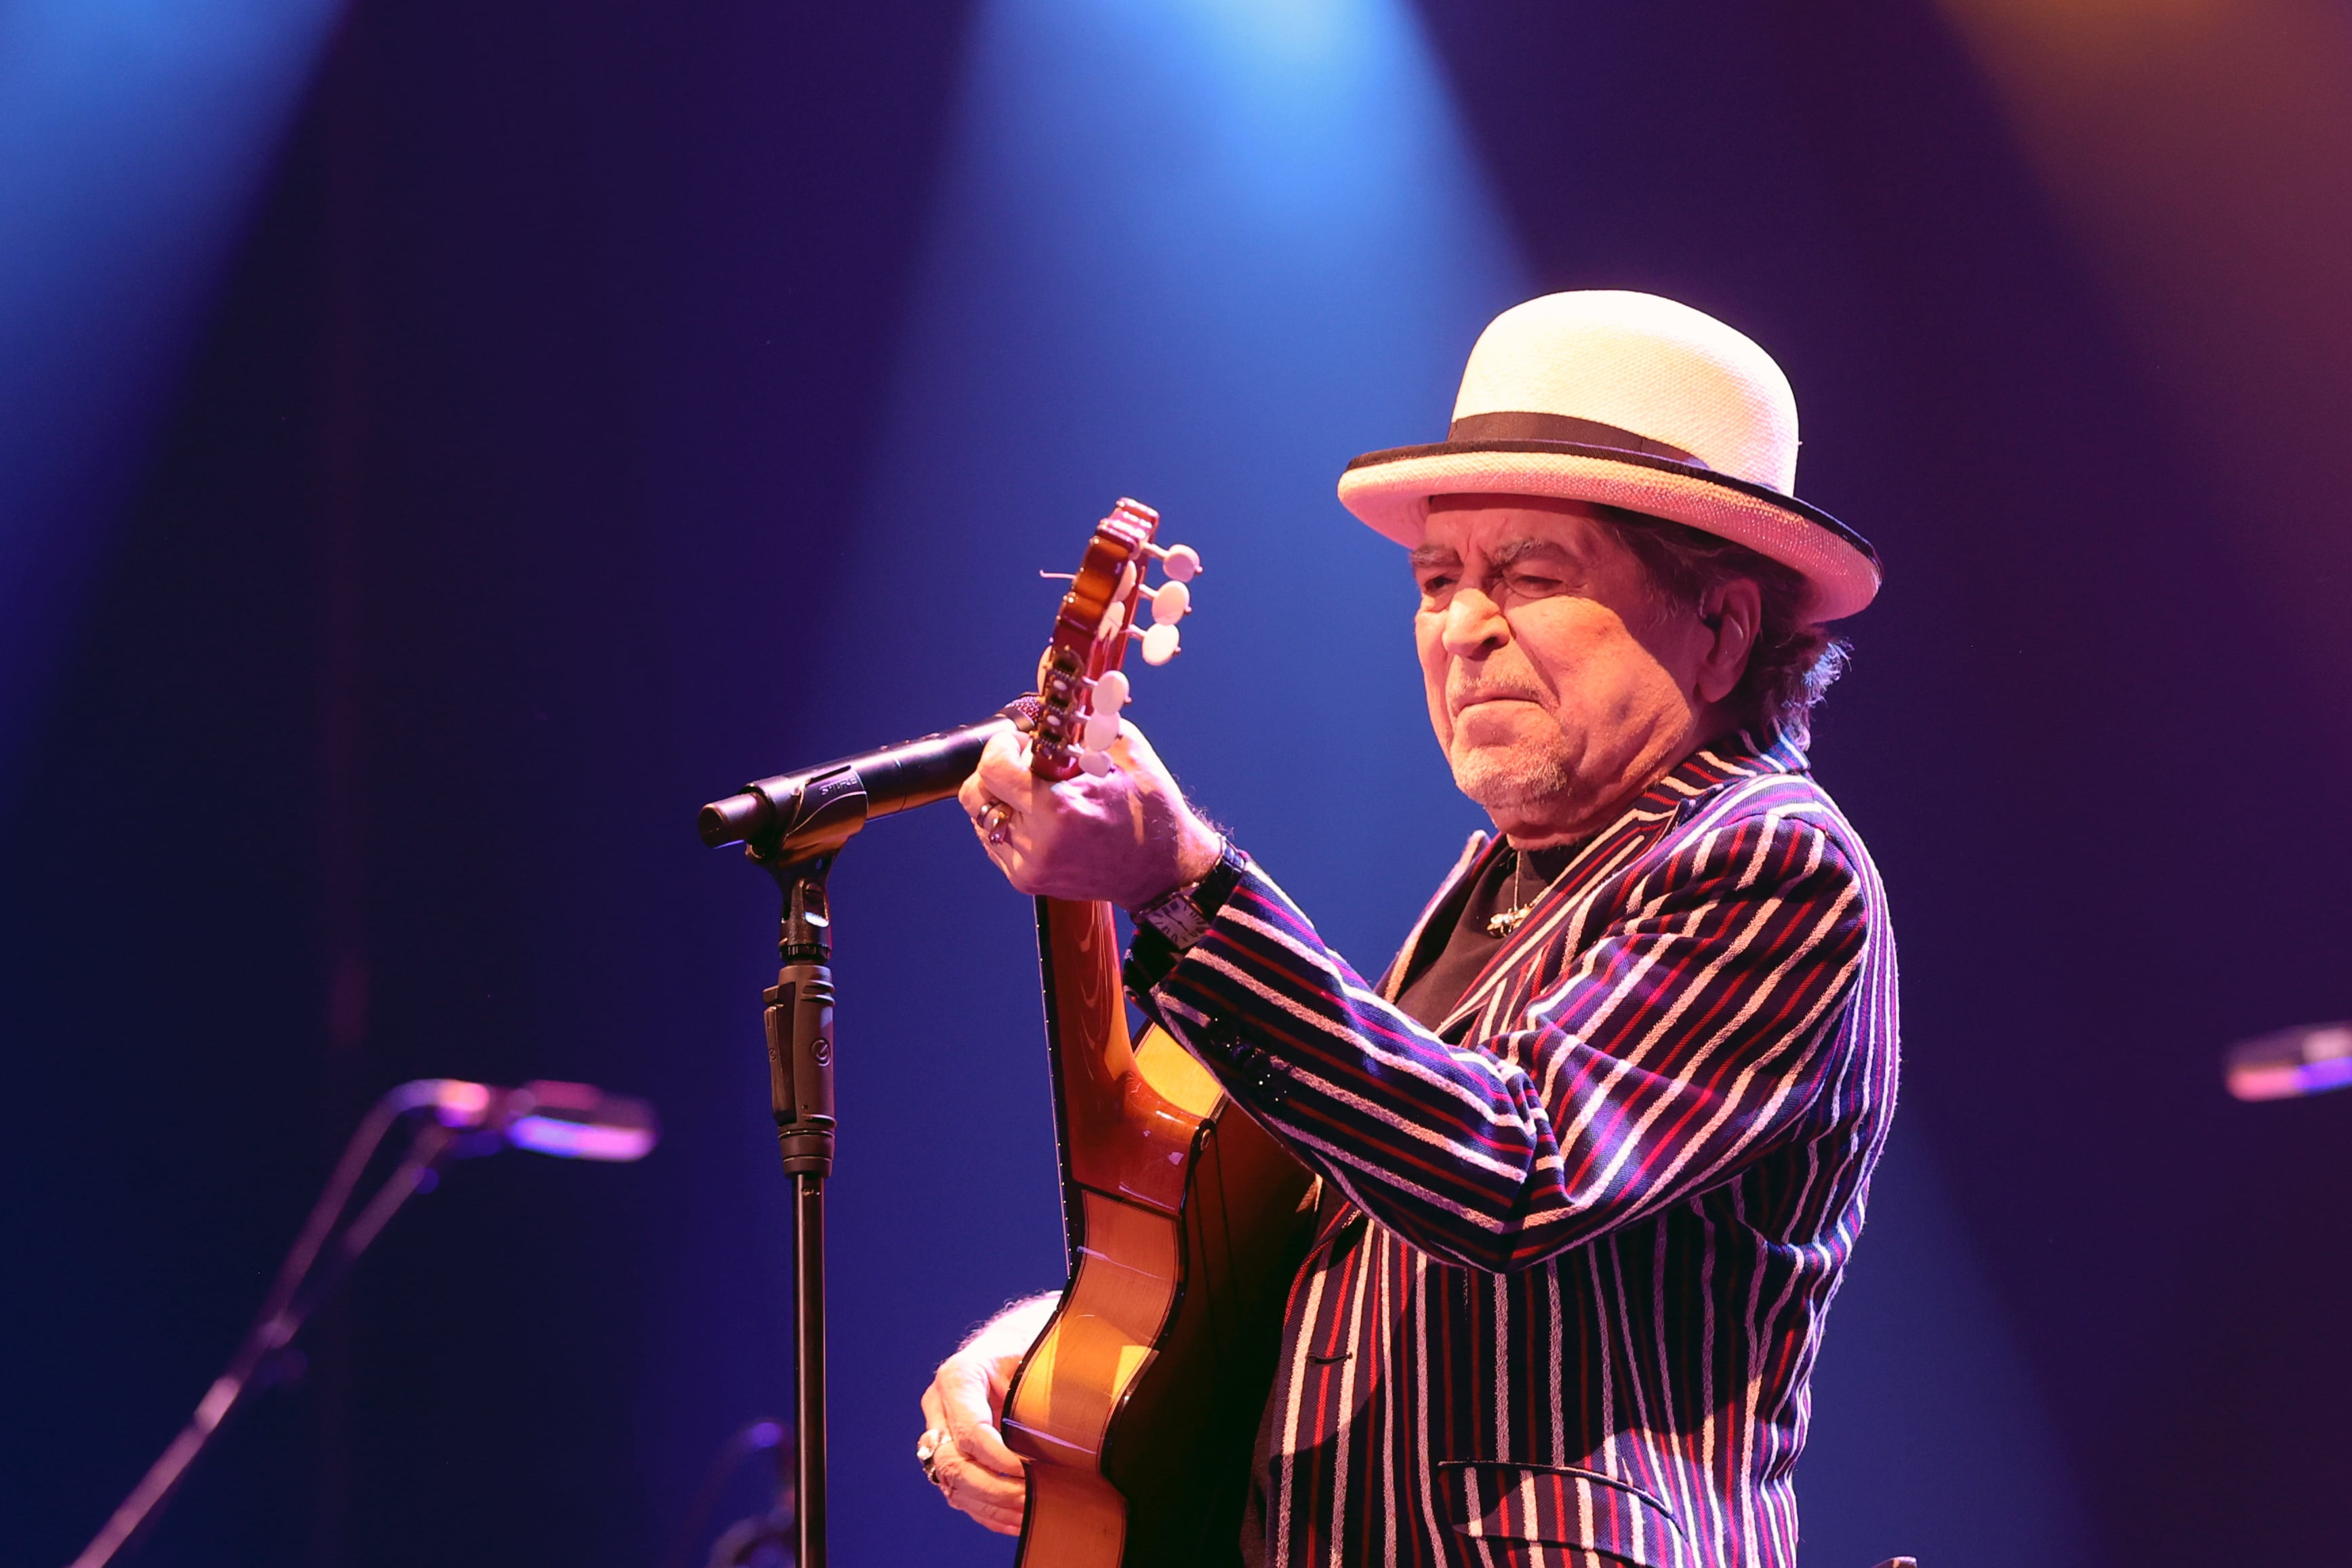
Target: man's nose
x=1474 y=624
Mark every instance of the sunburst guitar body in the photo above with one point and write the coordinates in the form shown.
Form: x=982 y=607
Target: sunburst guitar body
x=1137 y=1409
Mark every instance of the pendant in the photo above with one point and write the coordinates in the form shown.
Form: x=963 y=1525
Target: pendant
x=1509 y=921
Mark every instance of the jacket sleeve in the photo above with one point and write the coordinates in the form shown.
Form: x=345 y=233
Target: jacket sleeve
x=1694 y=1034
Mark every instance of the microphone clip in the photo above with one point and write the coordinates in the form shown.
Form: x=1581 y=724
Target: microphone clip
x=813 y=821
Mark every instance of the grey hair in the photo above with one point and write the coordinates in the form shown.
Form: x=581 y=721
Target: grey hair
x=1792 y=661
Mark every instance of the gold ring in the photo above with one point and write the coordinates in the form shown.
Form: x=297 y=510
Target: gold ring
x=995 y=823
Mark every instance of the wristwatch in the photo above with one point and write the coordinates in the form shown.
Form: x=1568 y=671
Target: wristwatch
x=1182 y=917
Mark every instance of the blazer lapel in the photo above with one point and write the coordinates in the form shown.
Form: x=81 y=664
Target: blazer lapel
x=1653 y=813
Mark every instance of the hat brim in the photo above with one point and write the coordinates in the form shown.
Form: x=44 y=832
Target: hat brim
x=1390 y=490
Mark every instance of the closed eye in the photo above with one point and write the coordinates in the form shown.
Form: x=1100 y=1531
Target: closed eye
x=1435 y=569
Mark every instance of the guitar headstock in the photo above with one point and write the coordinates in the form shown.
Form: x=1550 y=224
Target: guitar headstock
x=1080 y=684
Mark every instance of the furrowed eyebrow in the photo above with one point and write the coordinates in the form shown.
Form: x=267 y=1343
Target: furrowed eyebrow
x=1429 y=557
x=1515 y=552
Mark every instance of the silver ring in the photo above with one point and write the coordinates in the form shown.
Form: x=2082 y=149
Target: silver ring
x=995 y=823
x=926 y=1453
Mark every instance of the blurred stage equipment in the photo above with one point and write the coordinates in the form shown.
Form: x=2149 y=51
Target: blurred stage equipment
x=2292 y=1062
x=569 y=1121
x=763 y=1540
x=795 y=824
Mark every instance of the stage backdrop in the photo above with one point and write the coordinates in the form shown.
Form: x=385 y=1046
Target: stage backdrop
x=607 y=405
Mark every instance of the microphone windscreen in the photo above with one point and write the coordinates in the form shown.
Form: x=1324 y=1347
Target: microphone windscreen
x=581 y=1122
x=2309 y=1059
x=455 y=1103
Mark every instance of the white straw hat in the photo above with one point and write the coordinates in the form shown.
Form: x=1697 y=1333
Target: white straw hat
x=1626 y=399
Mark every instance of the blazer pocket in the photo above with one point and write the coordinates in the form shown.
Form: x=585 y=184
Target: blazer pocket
x=1557 y=1505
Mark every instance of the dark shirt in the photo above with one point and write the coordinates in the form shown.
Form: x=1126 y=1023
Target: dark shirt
x=1455 y=945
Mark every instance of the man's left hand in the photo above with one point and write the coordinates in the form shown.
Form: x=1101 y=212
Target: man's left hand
x=1126 y=837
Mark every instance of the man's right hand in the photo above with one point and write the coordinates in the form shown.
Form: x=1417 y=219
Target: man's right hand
x=961 y=1411
x=1124 y=837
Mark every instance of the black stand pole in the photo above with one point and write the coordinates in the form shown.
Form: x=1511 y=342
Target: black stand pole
x=800 y=1078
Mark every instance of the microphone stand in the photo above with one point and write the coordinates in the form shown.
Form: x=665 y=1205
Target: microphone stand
x=799 y=1017
x=794 y=826
x=297 y=1294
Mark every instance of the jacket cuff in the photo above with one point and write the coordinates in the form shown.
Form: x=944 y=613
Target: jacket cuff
x=1178 y=990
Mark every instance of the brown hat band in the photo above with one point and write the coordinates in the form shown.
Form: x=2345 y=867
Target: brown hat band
x=1515 y=426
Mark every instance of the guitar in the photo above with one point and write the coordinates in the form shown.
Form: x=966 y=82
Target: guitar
x=1137 y=1409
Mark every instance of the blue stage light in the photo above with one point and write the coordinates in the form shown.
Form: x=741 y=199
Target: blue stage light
x=1201 y=251
x=133 y=135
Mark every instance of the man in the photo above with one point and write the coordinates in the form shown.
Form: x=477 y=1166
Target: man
x=1594 y=1154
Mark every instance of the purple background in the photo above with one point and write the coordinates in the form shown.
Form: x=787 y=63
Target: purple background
x=602 y=404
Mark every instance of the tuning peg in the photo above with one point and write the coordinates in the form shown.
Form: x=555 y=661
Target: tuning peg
x=1160 y=643
x=1101 y=730
x=1111 y=692
x=1093 y=764
x=1181 y=562
x=1169 y=601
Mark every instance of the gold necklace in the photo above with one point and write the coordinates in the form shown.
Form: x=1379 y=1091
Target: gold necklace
x=1502 y=923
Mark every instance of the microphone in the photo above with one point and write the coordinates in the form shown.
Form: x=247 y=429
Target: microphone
x=2292 y=1062
x=797 y=816
x=569 y=1121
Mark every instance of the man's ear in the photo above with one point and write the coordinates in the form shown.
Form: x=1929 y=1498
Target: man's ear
x=1732 y=613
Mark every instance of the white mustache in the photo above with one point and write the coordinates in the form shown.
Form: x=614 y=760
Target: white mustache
x=1455 y=701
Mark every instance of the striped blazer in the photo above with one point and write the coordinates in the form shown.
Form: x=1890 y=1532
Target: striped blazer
x=1568 y=1310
